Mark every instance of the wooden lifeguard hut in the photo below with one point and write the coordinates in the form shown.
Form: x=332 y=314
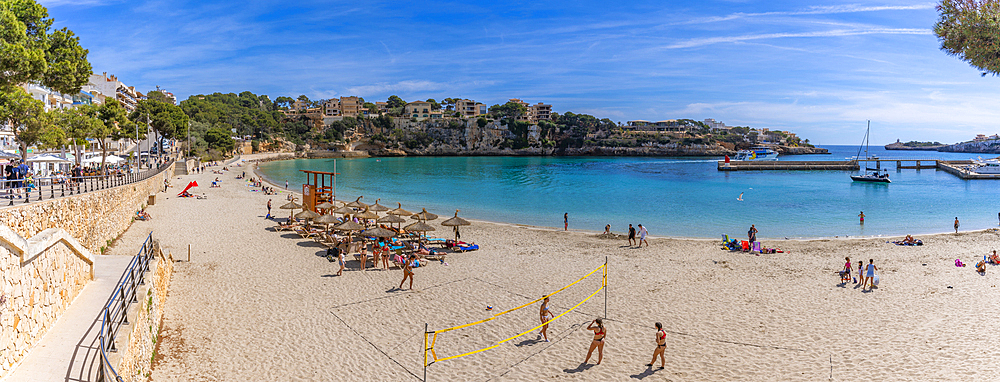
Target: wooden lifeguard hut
x=320 y=186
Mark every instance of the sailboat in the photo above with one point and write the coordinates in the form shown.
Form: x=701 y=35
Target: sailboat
x=875 y=176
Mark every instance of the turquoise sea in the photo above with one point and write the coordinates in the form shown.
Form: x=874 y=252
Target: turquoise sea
x=678 y=197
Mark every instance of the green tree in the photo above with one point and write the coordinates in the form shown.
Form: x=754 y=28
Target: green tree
x=434 y=104
x=167 y=121
x=24 y=114
x=509 y=110
x=78 y=124
x=220 y=139
x=970 y=30
x=394 y=102
x=482 y=122
x=29 y=52
x=283 y=102
x=114 y=125
x=157 y=95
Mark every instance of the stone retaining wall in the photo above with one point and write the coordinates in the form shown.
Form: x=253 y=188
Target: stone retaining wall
x=95 y=218
x=40 y=278
x=133 y=362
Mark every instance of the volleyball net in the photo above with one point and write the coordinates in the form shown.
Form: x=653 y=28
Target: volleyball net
x=430 y=337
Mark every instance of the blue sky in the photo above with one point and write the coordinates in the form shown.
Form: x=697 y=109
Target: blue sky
x=820 y=69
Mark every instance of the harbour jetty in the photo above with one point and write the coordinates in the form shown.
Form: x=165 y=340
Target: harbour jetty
x=959 y=168
x=788 y=165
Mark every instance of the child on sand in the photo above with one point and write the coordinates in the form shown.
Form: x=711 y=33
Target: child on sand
x=545 y=315
x=845 y=275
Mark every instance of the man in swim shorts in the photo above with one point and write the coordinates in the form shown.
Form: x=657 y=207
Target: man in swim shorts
x=631 y=235
x=642 y=236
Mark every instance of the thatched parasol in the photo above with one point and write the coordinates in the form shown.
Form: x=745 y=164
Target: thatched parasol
x=378 y=207
x=379 y=232
x=391 y=219
x=325 y=205
x=366 y=214
x=424 y=215
x=307 y=214
x=400 y=211
x=291 y=205
x=344 y=210
x=357 y=203
x=349 y=225
x=419 y=227
x=455 y=221
x=326 y=219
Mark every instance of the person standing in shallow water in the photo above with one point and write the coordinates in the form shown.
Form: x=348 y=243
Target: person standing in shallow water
x=566 y=221
x=956 y=224
x=862 y=216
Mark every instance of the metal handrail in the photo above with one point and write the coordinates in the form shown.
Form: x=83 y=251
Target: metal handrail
x=74 y=184
x=115 y=311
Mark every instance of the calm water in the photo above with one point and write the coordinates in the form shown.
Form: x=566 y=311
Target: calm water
x=683 y=197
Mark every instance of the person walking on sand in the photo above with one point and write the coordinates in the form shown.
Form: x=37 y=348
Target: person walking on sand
x=862 y=216
x=340 y=260
x=566 y=221
x=861 y=273
x=846 y=273
x=286 y=185
x=956 y=224
x=545 y=315
x=642 y=236
x=597 y=326
x=661 y=346
x=631 y=235
x=752 y=234
x=408 y=271
x=268 y=209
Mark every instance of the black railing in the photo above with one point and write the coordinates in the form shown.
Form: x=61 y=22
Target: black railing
x=57 y=187
x=115 y=312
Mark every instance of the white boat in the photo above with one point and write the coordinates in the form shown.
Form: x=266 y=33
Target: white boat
x=989 y=166
x=876 y=175
x=759 y=153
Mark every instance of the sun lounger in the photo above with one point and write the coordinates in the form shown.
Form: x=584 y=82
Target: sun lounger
x=466 y=248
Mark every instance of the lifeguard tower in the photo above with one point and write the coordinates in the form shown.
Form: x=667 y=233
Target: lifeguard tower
x=320 y=186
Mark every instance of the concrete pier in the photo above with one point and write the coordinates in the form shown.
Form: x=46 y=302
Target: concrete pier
x=788 y=165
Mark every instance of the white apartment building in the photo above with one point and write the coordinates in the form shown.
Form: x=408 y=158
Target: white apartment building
x=110 y=87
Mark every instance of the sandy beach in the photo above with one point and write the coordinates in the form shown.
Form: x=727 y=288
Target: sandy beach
x=257 y=305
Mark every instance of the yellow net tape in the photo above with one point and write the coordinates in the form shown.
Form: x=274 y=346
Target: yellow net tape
x=522 y=306
x=604 y=283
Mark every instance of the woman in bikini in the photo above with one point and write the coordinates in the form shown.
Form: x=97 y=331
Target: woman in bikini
x=545 y=315
x=661 y=346
x=599 y=333
x=408 y=271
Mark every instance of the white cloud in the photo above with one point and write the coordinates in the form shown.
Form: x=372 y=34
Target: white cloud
x=814 y=10
x=695 y=42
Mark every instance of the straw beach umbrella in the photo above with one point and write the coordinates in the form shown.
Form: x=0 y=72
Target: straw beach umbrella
x=357 y=203
x=344 y=210
x=379 y=232
x=419 y=227
x=324 y=205
x=366 y=215
x=307 y=214
x=424 y=215
x=400 y=211
x=455 y=222
x=390 y=219
x=290 y=206
x=376 y=208
x=349 y=226
x=326 y=219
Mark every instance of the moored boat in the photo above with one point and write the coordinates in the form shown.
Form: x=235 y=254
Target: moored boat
x=758 y=153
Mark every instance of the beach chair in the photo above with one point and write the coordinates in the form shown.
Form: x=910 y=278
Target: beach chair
x=756 y=247
x=745 y=246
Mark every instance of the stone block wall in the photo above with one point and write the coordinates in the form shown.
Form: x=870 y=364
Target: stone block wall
x=133 y=361
x=40 y=278
x=94 y=218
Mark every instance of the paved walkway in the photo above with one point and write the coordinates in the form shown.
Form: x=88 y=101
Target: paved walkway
x=68 y=352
